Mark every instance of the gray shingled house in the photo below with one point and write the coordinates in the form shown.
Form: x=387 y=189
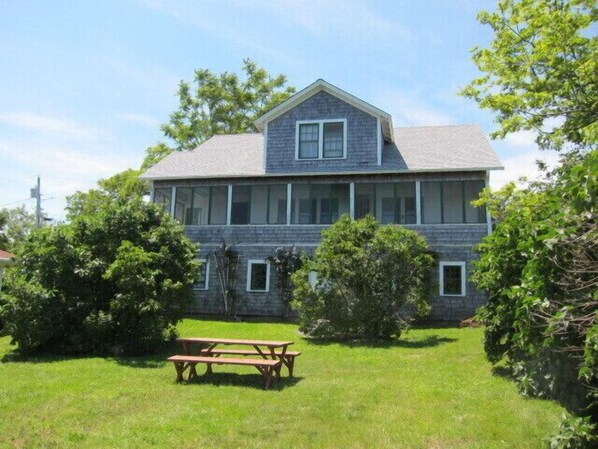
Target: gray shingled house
x=320 y=154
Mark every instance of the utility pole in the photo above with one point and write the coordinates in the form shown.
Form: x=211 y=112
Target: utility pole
x=37 y=194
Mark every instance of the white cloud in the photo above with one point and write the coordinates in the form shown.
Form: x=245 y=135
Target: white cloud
x=348 y=18
x=139 y=119
x=521 y=139
x=53 y=125
x=64 y=169
x=408 y=109
x=520 y=165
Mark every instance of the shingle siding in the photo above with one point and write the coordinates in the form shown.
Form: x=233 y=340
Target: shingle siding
x=362 y=137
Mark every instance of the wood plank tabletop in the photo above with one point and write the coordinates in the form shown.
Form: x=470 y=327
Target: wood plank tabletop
x=233 y=341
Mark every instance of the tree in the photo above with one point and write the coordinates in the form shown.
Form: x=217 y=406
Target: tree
x=15 y=225
x=155 y=154
x=223 y=104
x=368 y=276
x=122 y=186
x=538 y=269
x=227 y=268
x=541 y=71
x=115 y=280
x=286 y=261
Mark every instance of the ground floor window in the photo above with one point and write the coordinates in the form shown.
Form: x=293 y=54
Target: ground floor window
x=258 y=276
x=452 y=278
x=204 y=275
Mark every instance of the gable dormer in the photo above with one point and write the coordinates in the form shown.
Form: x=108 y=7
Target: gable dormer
x=324 y=129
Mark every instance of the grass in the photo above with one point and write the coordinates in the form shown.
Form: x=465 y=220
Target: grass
x=433 y=389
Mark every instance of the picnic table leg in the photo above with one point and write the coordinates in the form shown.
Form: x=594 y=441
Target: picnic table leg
x=178 y=366
x=192 y=372
x=290 y=364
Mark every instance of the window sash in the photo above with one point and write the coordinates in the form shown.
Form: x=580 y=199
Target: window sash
x=333 y=146
x=258 y=276
x=309 y=141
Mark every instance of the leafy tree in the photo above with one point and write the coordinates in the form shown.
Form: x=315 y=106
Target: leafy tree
x=122 y=186
x=15 y=225
x=155 y=154
x=538 y=269
x=286 y=261
x=541 y=70
x=227 y=268
x=367 y=278
x=115 y=280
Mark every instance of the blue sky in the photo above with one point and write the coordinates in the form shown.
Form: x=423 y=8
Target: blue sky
x=85 y=85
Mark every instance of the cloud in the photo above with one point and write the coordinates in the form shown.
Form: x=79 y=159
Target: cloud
x=520 y=165
x=52 y=125
x=64 y=169
x=408 y=109
x=139 y=119
x=348 y=18
x=522 y=139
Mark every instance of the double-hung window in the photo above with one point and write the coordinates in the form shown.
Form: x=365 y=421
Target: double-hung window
x=452 y=279
x=204 y=275
x=258 y=275
x=322 y=139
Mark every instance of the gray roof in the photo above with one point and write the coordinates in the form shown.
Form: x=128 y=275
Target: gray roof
x=416 y=149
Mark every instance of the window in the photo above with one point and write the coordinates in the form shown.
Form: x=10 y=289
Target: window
x=452 y=278
x=450 y=202
x=388 y=202
x=309 y=136
x=204 y=272
x=333 y=140
x=259 y=204
x=319 y=203
x=258 y=276
x=322 y=139
x=163 y=196
x=201 y=205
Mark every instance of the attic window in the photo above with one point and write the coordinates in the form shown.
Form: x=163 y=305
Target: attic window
x=322 y=139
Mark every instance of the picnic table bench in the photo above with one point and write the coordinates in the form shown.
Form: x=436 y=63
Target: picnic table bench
x=268 y=368
x=273 y=354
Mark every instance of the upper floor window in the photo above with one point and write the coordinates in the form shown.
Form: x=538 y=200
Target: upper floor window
x=322 y=139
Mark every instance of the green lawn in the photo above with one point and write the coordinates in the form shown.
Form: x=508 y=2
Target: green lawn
x=431 y=390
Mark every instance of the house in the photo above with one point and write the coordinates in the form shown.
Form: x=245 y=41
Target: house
x=320 y=154
x=5 y=259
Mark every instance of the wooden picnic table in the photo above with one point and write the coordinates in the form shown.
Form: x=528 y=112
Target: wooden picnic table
x=205 y=350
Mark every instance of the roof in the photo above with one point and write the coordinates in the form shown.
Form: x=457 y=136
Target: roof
x=319 y=86
x=417 y=149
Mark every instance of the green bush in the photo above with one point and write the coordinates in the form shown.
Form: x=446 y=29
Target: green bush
x=538 y=269
x=370 y=281
x=115 y=281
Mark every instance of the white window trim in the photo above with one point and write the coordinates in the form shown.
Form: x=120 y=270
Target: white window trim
x=463 y=277
x=252 y=262
x=206 y=263
x=320 y=124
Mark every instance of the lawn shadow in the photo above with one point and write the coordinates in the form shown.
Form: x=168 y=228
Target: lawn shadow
x=244 y=380
x=430 y=341
x=505 y=372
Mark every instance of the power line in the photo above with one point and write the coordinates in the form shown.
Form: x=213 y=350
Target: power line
x=15 y=202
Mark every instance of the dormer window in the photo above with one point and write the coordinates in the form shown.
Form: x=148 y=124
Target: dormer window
x=321 y=139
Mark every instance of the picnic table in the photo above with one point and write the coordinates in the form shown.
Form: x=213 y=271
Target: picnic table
x=272 y=355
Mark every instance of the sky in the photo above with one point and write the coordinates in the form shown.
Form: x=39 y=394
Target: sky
x=85 y=85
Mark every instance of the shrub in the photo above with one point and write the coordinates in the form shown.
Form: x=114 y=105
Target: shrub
x=367 y=277
x=117 y=280
x=538 y=269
